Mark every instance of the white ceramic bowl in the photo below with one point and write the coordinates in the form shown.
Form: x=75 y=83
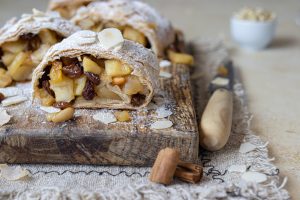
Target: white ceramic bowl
x=253 y=35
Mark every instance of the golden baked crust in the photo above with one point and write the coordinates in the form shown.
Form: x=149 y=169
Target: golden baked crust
x=135 y=14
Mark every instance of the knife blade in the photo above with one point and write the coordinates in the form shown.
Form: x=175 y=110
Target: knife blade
x=216 y=120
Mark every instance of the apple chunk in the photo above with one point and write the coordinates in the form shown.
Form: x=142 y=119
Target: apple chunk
x=132 y=86
x=64 y=90
x=91 y=66
x=79 y=85
x=14 y=47
x=116 y=68
x=134 y=35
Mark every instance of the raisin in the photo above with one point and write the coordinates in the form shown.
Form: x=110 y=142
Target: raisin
x=68 y=61
x=44 y=76
x=34 y=41
x=138 y=99
x=2 y=97
x=62 y=105
x=88 y=91
x=73 y=70
x=46 y=86
x=94 y=78
x=27 y=36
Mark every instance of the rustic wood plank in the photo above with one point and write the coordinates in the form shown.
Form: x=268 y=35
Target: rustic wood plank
x=29 y=138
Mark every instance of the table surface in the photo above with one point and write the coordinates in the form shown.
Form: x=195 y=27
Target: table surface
x=271 y=77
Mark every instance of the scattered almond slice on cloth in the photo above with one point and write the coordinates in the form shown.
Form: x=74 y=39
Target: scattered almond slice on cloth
x=105 y=117
x=14 y=100
x=50 y=109
x=237 y=168
x=254 y=177
x=111 y=38
x=162 y=112
x=4 y=117
x=165 y=74
x=165 y=63
x=161 y=124
x=13 y=173
x=10 y=91
x=219 y=81
x=247 y=147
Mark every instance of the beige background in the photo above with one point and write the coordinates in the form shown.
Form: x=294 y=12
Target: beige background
x=271 y=77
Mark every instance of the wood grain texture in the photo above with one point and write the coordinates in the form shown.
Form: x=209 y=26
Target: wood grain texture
x=29 y=138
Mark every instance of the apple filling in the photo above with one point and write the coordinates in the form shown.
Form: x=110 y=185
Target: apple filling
x=128 y=32
x=19 y=58
x=68 y=11
x=86 y=78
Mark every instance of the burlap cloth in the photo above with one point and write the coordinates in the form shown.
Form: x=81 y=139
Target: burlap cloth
x=112 y=182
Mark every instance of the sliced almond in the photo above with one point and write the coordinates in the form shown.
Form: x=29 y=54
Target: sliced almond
x=13 y=173
x=162 y=112
x=13 y=100
x=254 y=177
x=165 y=74
x=219 y=81
x=161 y=124
x=164 y=64
x=247 y=147
x=105 y=117
x=10 y=91
x=50 y=109
x=111 y=38
x=4 y=117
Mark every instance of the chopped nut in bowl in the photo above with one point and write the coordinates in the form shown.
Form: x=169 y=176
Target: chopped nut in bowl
x=253 y=29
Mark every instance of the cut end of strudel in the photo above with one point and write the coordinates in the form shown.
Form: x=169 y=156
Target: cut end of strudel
x=97 y=70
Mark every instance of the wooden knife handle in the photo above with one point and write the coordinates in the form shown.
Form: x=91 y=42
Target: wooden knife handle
x=216 y=121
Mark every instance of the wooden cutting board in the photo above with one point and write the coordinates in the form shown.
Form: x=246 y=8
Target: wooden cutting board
x=29 y=138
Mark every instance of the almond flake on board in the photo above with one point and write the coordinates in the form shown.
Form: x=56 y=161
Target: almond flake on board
x=165 y=63
x=247 y=147
x=10 y=91
x=161 y=124
x=13 y=173
x=162 y=112
x=254 y=177
x=4 y=117
x=237 y=168
x=50 y=109
x=165 y=74
x=111 y=38
x=14 y=100
x=105 y=117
